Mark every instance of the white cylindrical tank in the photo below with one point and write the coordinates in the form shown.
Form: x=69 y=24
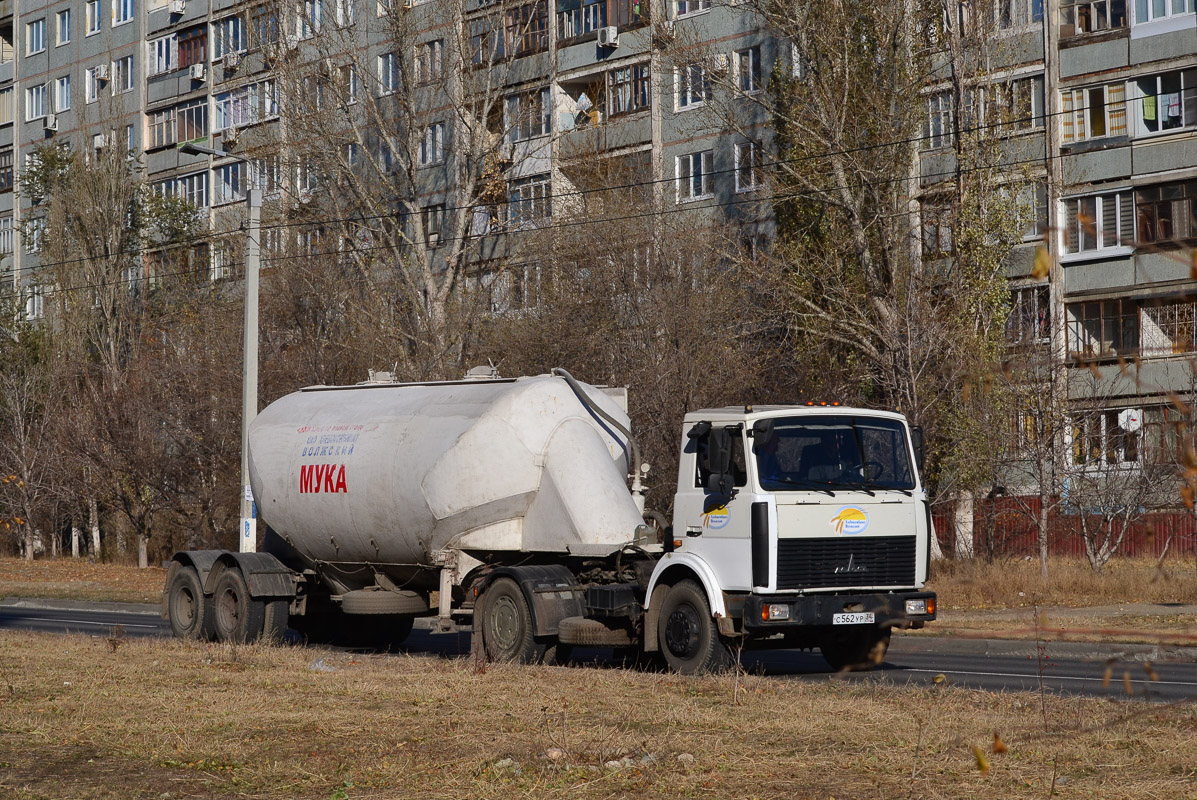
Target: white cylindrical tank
x=388 y=474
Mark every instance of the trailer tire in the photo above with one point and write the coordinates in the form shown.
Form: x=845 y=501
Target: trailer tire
x=686 y=632
x=507 y=625
x=189 y=611
x=237 y=617
x=278 y=615
x=857 y=651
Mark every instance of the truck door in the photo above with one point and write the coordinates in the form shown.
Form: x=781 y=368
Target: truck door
x=713 y=521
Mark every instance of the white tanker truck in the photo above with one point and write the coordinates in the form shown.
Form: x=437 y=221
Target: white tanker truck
x=794 y=526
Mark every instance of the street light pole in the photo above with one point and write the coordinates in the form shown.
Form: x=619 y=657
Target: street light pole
x=249 y=378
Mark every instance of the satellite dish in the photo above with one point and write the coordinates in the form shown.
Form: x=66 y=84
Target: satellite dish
x=1130 y=419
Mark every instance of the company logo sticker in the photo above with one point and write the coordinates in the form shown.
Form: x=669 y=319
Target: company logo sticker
x=850 y=519
x=716 y=518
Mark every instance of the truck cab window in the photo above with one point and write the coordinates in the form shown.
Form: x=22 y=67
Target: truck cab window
x=739 y=467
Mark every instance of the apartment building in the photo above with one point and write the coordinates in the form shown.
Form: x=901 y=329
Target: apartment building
x=582 y=80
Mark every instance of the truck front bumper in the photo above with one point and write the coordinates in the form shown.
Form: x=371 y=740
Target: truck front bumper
x=767 y=614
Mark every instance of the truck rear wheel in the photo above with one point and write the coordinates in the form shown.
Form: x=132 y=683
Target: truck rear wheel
x=686 y=632
x=186 y=607
x=507 y=632
x=857 y=650
x=274 y=626
x=237 y=616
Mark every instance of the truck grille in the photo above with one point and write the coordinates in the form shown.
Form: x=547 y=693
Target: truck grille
x=845 y=561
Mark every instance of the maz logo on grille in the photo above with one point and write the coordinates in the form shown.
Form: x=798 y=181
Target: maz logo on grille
x=851 y=567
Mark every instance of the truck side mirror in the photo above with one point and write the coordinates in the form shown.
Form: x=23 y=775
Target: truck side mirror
x=920 y=455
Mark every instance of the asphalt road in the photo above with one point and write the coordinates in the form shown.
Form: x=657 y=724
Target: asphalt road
x=992 y=665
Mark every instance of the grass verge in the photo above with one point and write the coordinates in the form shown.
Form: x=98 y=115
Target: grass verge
x=96 y=718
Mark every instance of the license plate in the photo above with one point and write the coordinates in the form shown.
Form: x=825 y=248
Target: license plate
x=860 y=618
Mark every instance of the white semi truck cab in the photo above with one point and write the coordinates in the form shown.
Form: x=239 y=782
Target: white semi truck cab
x=794 y=526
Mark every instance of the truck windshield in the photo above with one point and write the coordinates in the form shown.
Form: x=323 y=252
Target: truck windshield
x=829 y=452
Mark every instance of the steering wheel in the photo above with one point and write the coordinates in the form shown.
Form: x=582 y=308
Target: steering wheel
x=872 y=470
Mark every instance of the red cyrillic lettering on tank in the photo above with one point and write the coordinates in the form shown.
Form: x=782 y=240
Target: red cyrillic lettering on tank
x=329 y=474
x=305 y=479
x=341 y=487
x=327 y=478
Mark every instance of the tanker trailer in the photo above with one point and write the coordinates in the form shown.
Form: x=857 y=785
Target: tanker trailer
x=510 y=499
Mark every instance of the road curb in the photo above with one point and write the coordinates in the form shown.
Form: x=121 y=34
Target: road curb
x=80 y=605
x=1092 y=651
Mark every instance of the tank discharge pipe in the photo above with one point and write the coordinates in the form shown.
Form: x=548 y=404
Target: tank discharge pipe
x=636 y=469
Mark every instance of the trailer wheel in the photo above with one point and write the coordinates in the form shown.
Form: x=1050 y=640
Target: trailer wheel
x=686 y=633
x=237 y=616
x=507 y=632
x=188 y=609
x=857 y=650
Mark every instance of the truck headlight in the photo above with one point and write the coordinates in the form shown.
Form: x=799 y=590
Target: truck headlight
x=774 y=611
x=916 y=606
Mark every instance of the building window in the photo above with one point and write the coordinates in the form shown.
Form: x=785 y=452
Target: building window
x=122 y=11
x=1098 y=222
x=263 y=22
x=1008 y=107
x=1151 y=10
x=1018 y=13
x=388 y=74
x=122 y=75
x=228 y=36
x=193 y=44
x=1093 y=113
x=938 y=132
x=1168 y=328
x=246 y=105
x=1109 y=438
x=693 y=85
x=34 y=234
x=629 y=89
x=193 y=189
x=529 y=199
x=937 y=217
x=1091 y=16
x=6 y=170
x=434 y=222
x=62 y=93
x=5 y=236
x=528 y=115
x=693 y=172
x=1163 y=427
x=6 y=115
x=35 y=37
x=1166 y=212
x=307 y=21
x=92 y=77
x=35 y=102
x=35 y=307
x=683 y=7
x=1167 y=101
x=344 y=12
x=183 y=123
x=63 y=25
x=230 y=183
x=527 y=28
x=349 y=83
x=1102 y=329
x=1030 y=318
x=748 y=70
x=428 y=61
x=748 y=166
x=163 y=54
x=432 y=145
x=92 y=14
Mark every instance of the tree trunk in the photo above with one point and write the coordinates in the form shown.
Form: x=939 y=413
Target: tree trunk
x=142 y=548
x=1042 y=525
x=93 y=521
x=964 y=525
x=76 y=536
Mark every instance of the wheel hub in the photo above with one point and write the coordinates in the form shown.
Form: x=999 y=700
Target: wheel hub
x=505 y=623
x=682 y=631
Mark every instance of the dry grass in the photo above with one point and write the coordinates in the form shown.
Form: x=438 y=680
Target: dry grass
x=158 y=719
x=975 y=585
x=79 y=579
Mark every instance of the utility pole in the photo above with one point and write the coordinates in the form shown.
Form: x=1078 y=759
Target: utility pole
x=248 y=531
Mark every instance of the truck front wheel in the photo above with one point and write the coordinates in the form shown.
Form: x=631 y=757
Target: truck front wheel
x=188 y=609
x=859 y=650
x=507 y=632
x=237 y=617
x=686 y=632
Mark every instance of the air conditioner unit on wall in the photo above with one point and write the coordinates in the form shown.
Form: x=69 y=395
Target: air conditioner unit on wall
x=608 y=36
x=198 y=72
x=178 y=6
x=51 y=122
x=232 y=60
x=101 y=72
x=720 y=63
x=230 y=135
